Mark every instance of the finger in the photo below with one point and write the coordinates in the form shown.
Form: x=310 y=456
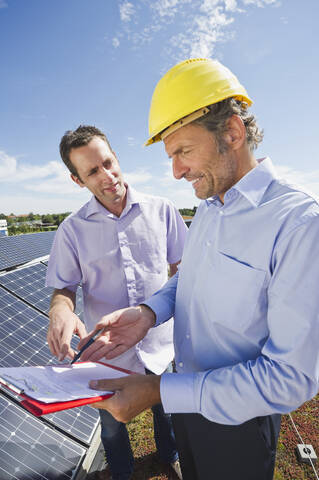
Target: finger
x=106 y=405
x=99 y=405
x=66 y=352
x=65 y=342
x=51 y=345
x=84 y=340
x=106 y=350
x=81 y=330
x=96 y=351
x=115 y=351
x=106 y=384
x=109 y=320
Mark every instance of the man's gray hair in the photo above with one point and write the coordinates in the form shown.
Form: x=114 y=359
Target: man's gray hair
x=216 y=122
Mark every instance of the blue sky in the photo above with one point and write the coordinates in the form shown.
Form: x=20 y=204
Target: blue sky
x=67 y=62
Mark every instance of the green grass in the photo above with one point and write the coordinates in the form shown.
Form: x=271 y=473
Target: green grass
x=147 y=464
x=148 y=467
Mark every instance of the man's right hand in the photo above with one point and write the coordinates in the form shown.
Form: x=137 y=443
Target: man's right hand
x=63 y=323
x=120 y=330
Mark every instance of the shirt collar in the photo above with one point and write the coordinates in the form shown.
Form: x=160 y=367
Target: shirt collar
x=132 y=197
x=253 y=185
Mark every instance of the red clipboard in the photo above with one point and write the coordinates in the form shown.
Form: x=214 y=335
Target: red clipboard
x=38 y=408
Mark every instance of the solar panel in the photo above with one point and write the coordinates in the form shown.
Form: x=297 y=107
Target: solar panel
x=18 y=249
x=29 y=284
x=81 y=423
x=23 y=342
x=30 y=450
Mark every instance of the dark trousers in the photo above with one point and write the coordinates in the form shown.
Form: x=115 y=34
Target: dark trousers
x=210 y=451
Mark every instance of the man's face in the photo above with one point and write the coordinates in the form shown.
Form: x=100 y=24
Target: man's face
x=195 y=157
x=99 y=171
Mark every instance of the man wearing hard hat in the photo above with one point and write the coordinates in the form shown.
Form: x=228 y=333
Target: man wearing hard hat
x=245 y=299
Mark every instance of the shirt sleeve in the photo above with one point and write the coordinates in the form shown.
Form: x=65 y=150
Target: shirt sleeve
x=176 y=234
x=63 y=269
x=286 y=373
x=163 y=301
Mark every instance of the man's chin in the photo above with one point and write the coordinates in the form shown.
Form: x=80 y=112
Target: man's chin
x=201 y=195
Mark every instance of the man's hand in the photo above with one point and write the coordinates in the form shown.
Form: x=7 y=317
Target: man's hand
x=63 y=323
x=133 y=394
x=120 y=331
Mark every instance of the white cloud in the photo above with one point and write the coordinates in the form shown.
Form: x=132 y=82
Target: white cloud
x=231 y=5
x=132 y=142
x=262 y=3
x=199 y=24
x=13 y=171
x=8 y=166
x=57 y=185
x=308 y=180
x=50 y=178
x=168 y=8
x=138 y=177
x=115 y=42
x=209 y=29
x=126 y=11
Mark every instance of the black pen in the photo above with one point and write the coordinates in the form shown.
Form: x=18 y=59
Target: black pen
x=78 y=355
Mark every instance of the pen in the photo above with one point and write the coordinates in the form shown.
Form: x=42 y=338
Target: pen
x=78 y=355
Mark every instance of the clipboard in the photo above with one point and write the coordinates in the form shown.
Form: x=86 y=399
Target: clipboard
x=39 y=408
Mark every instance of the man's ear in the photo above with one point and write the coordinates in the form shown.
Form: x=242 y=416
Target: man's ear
x=236 y=133
x=77 y=180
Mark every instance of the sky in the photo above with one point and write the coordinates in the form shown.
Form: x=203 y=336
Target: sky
x=69 y=62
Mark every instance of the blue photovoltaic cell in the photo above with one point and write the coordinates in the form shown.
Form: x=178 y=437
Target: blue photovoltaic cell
x=30 y=450
x=28 y=283
x=80 y=422
x=18 y=249
x=23 y=333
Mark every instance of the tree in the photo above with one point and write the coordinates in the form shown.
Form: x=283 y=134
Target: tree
x=47 y=219
x=186 y=211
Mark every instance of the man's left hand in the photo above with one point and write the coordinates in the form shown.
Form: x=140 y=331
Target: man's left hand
x=133 y=394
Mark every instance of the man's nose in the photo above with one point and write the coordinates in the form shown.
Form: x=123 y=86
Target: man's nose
x=107 y=173
x=179 y=169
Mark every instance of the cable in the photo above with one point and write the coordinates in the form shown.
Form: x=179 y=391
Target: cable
x=311 y=462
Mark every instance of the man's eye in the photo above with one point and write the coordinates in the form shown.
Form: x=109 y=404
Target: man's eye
x=107 y=164
x=92 y=172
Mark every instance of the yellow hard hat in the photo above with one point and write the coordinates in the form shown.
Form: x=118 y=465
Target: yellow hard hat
x=186 y=89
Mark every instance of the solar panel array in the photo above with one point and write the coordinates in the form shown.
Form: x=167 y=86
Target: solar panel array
x=53 y=446
x=19 y=249
x=28 y=283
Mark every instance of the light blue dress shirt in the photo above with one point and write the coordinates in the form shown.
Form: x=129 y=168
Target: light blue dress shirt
x=120 y=261
x=246 y=303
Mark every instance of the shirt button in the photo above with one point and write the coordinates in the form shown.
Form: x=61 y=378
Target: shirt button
x=188 y=336
x=181 y=364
